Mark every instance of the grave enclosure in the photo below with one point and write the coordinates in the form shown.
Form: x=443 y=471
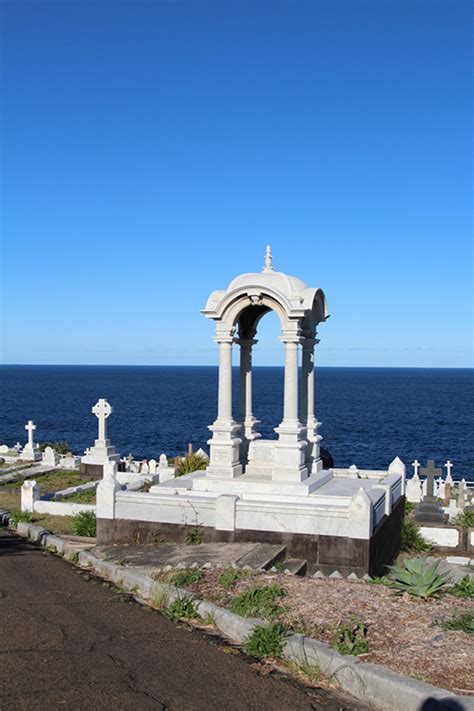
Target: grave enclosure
x=254 y=489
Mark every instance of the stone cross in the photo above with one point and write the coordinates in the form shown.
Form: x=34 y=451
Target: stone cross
x=448 y=466
x=416 y=466
x=431 y=473
x=31 y=428
x=102 y=410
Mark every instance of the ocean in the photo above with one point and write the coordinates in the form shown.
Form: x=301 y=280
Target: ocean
x=369 y=415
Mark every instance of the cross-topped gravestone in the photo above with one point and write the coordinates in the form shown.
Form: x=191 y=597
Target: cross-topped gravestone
x=431 y=474
x=30 y=427
x=416 y=466
x=102 y=410
x=429 y=509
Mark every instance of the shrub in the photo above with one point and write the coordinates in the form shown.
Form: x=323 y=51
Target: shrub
x=181 y=608
x=230 y=577
x=409 y=507
x=411 y=538
x=463 y=588
x=465 y=519
x=85 y=524
x=191 y=463
x=193 y=536
x=61 y=447
x=418 y=578
x=463 y=622
x=266 y=641
x=351 y=638
x=258 y=601
x=23 y=516
x=186 y=576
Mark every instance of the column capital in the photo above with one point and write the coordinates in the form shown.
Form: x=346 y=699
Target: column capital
x=309 y=343
x=223 y=339
x=290 y=340
x=245 y=342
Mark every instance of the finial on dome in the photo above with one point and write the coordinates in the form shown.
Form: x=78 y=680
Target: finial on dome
x=268 y=260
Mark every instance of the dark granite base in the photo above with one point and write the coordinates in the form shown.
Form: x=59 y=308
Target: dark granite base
x=329 y=552
x=95 y=471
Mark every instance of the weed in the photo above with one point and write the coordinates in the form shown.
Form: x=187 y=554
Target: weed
x=186 y=576
x=409 y=507
x=465 y=519
x=259 y=601
x=191 y=463
x=351 y=638
x=181 y=608
x=85 y=524
x=379 y=581
x=418 y=578
x=463 y=588
x=193 y=536
x=411 y=538
x=280 y=566
x=121 y=561
x=209 y=620
x=463 y=622
x=266 y=641
x=230 y=577
x=20 y=517
x=160 y=599
x=74 y=557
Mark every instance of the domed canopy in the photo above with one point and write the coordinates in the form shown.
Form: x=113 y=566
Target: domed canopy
x=249 y=296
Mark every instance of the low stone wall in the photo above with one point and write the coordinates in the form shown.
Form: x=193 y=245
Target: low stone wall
x=61 y=508
x=450 y=539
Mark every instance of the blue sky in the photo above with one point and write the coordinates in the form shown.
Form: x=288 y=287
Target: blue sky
x=152 y=150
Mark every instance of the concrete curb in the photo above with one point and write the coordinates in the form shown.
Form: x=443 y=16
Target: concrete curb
x=380 y=687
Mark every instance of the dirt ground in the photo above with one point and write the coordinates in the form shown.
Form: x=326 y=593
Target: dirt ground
x=401 y=630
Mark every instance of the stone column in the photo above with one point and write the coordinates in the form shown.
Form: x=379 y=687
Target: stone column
x=224 y=460
x=291 y=445
x=309 y=421
x=224 y=407
x=245 y=392
x=290 y=403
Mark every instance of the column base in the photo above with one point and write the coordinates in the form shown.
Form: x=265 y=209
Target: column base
x=290 y=453
x=224 y=459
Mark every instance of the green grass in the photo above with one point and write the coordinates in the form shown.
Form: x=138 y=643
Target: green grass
x=85 y=524
x=464 y=588
x=194 y=536
x=186 y=576
x=181 y=608
x=411 y=539
x=230 y=577
x=463 y=622
x=52 y=482
x=20 y=516
x=266 y=641
x=87 y=496
x=259 y=601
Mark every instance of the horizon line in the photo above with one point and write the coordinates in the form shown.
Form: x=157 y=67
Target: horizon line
x=216 y=365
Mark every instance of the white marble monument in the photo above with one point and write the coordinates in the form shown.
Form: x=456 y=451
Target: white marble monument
x=255 y=487
x=30 y=452
x=102 y=452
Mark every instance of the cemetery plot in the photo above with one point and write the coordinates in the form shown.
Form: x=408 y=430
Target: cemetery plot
x=413 y=637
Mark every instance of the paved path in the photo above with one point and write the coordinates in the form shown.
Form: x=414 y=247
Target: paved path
x=69 y=642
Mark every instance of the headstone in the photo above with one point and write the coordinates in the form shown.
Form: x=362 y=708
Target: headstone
x=461 y=499
x=4 y=448
x=353 y=472
x=163 y=461
x=413 y=489
x=447 y=492
x=30 y=492
x=50 y=457
x=152 y=464
x=69 y=461
x=440 y=487
x=92 y=463
x=135 y=468
x=449 y=478
x=202 y=453
x=144 y=468
x=429 y=509
x=30 y=451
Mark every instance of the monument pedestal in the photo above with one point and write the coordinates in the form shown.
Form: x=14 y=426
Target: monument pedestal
x=429 y=511
x=92 y=464
x=31 y=454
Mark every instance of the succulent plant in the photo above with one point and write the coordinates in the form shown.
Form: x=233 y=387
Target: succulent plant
x=418 y=578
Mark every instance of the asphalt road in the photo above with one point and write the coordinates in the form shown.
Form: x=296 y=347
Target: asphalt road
x=68 y=641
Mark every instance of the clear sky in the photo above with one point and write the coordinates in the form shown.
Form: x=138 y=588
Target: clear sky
x=152 y=149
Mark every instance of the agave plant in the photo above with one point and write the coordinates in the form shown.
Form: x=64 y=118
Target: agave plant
x=418 y=578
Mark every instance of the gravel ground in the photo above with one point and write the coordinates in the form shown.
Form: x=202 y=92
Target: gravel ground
x=399 y=628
